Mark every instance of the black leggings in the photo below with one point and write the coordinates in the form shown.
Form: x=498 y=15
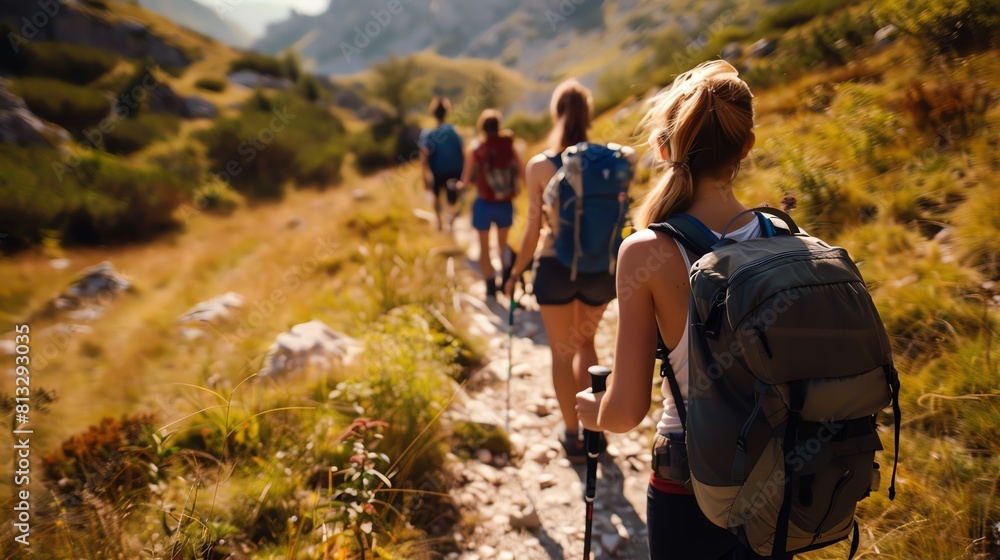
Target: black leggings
x=678 y=530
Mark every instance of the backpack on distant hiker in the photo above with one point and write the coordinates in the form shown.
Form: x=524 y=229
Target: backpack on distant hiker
x=496 y=168
x=589 y=194
x=444 y=147
x=789 y=366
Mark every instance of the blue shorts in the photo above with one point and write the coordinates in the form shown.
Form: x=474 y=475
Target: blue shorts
x=485 y=213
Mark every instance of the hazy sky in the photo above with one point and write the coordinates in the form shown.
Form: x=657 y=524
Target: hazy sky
x=302 y=6
x=255 y=15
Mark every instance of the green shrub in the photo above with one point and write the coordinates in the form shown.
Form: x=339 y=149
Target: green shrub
x=260 y=63
x=955 y=27
x=531 y=129
x=797 y=13
x=978 y=224
x=88 y=198
x=75 y=108
x=75 y=64
x=318 y=166
x=211 y=83
x=308 y=86
x=258 y=152
x=132 y=135
x=372 y=154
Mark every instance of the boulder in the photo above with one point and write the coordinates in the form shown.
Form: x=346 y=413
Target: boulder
x=886 y=35
x=18 y=125
x=251 y=79
x=93 y=285
x=732 y=51
x=763 y=48
x=163 y=99
x=197 y=107
x=216 y=311
x=308 y=344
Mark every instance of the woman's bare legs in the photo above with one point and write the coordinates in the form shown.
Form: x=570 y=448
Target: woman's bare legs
x=570 y=329
x=485 y=264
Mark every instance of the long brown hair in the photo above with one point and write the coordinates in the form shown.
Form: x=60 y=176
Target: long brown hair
x=571 y=107
x=704 y=120
x=489 y=122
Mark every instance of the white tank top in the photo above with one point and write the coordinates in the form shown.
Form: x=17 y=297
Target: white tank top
x=670 y=422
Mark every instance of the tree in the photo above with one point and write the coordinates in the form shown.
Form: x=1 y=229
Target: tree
x=393 y=84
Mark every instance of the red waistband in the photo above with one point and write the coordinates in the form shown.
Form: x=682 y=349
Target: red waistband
x=666 y=486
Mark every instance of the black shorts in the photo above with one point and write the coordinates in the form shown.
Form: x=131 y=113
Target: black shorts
x=552 y=285
x=441 y=183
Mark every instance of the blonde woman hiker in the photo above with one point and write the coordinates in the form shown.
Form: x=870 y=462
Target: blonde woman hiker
x=495 y=168
x=573 y=282
x=701 y=129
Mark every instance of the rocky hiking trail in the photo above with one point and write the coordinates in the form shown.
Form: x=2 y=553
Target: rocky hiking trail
x=530 y=505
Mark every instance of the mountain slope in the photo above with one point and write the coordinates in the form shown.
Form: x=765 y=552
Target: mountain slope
x=202 y=19
x=539 y=38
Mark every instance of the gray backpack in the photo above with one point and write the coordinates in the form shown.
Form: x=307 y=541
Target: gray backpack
x=789 y=366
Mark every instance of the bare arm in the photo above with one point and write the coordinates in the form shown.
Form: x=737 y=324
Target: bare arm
x=468 y=170
x=629 y=392
x=520 y=174
x=537 y=173
x=626 y=402
x=425 y=168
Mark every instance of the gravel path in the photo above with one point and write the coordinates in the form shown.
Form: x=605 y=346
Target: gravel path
x=530 y=505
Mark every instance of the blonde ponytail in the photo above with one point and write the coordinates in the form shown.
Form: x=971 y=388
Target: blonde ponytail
x=703 y=120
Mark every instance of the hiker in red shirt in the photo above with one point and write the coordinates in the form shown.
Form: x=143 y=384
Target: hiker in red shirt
x=496 y=171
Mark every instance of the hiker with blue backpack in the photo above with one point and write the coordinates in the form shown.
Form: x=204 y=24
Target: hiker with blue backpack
x=442 y=158
x=495 y=168
x=577 y=207
x=774 y=362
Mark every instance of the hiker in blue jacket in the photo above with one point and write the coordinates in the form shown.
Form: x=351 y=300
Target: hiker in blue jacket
x=442 y=158
x=701 y=129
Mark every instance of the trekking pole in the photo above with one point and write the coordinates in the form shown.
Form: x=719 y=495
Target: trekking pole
x=510 y=359
x=598 y=383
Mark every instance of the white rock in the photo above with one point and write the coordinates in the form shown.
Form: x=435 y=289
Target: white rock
x=526 y=520
x=484 y=456
x=539 y=453
x=294 y=350
x=517 y=444
x=215 y=311
x=547 y=480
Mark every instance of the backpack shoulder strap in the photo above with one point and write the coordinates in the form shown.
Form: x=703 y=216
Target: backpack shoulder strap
x=667 y=372
x=692 y=234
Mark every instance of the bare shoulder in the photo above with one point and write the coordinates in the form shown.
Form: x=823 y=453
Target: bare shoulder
x=538 y=159
x=649 y=249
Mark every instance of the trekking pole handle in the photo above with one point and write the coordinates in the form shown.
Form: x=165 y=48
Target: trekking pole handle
x=598 y=378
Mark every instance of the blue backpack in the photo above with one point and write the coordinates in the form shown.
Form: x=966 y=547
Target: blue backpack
x=444 y=147
x=589 y=194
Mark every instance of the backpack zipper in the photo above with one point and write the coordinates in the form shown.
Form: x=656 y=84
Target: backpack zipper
x=762 y=336
x=844 y=479
x=713 y=323
x=743 y=268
